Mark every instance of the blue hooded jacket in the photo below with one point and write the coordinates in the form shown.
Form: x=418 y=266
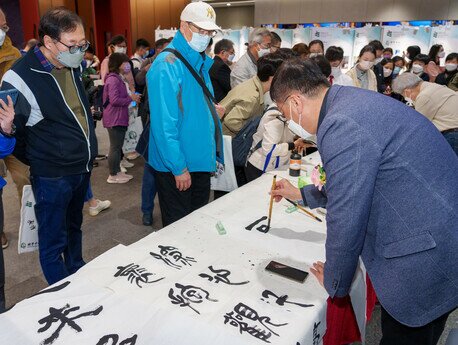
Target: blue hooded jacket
x=6 y=148
x=182 y=127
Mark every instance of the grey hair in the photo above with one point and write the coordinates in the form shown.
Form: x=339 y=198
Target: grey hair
x=405 y=81
x=257 y=35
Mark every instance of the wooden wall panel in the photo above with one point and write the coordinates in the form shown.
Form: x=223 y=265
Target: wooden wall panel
x=162 y=14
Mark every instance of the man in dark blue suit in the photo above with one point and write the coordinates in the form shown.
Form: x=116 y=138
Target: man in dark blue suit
x=391 y=198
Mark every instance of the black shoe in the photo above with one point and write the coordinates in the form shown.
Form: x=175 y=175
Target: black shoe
x=147 y=219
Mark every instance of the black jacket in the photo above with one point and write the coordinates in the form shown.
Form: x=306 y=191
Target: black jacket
x=220 y=75
x=49 y=136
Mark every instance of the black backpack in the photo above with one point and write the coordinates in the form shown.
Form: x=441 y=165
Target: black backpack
x=243 y=140
x=98 y=103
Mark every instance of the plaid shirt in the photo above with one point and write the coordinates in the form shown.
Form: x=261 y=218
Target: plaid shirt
x=48 y=66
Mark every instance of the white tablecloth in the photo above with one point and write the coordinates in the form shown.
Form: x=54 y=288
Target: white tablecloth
x=187 y=284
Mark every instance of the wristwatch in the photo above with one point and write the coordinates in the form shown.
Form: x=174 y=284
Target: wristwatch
x=9 y=135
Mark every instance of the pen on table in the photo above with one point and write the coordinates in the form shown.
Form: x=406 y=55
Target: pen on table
x=303 y=209
x=274 y=185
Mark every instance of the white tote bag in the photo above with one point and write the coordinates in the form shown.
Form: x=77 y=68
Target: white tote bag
x=28 y=229
x=226 y=181
x=134 y=131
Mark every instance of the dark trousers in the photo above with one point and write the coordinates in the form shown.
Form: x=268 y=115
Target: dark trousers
x=395 y=333
x=148 y=189
x=175 y=204
x=59 y=213
x=116 y=135
x=251 y=172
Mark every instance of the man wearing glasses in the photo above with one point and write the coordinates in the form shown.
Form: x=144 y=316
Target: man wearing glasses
x=186 y=138
x=55 y=137
x=259 y=44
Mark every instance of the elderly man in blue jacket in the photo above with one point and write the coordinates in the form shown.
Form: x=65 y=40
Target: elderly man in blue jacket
x=186 y=137
x=392 y=198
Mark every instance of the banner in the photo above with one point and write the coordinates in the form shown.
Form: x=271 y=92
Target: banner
x=400 y=37
x=447 y=36
x=286 y=36
x=301 y=35
x=363 y=36
x=343 y=38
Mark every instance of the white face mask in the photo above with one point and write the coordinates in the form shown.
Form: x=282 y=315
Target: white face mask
x=263 y=51
x=441 y=54
x=417 y=69
x=122 y=50
x=2 y=37
x=410 y=101
x=450 y=67
x=366 y=65
x=387 y=72
x=336 y=71
x=296 y=128
x=231 y=57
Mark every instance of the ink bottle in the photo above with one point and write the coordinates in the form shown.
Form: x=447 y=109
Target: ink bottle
x=295 y=164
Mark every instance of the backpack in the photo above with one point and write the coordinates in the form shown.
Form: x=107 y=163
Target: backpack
x=98 y=103
x=243 y=140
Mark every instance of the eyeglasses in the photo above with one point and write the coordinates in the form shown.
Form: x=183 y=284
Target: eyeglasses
x=5 y=28
x=75 y=48
x=203 y=32
x=274 y=48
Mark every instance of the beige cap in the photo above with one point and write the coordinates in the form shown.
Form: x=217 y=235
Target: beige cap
x=201 y=14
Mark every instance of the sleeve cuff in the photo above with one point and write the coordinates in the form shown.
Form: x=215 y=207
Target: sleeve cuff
x=312 y=197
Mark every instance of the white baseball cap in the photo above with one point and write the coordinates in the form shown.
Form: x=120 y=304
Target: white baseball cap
x=201 y=14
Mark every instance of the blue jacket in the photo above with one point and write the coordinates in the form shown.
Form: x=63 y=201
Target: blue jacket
x=49 y=136
x=392 y=197
x=182 y=126
x=6 y=148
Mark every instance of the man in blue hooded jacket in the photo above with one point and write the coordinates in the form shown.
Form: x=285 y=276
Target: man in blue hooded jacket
x=186 y=138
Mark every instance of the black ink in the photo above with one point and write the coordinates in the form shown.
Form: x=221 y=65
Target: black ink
x=173 y=257
x=135 y=273
x=220 y=276
x=263 y=228
x=281 y=300
x=115 y=338
x=53 y=289
x=248 y=320
x=61 y=315
x=252 y=225
x=188 y=295
x=316 y=335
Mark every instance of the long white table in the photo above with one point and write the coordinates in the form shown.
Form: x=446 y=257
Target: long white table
x=188 y=284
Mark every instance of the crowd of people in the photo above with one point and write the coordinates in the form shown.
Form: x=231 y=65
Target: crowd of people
x=187 y=101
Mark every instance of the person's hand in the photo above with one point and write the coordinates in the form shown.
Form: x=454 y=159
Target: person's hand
x=6 y=115
x=318 y=271
x=300 y=145
x=183 y=181
x=284 y=189
x=136 y=97
x=220 y=110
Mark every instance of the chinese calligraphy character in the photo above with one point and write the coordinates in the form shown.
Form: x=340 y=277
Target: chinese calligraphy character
x=262 y=228
x=53 y=289
x=173 y=257
x=32 y=225
x=189 y=295
x=115 y=338
x=62 y=315
x=220 y=276
x=248 y=320
x=281 y=300
x=135 y=273
x=316 y=334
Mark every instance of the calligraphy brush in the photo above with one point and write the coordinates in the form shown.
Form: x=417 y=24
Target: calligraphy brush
x=303 y=209
x=274 y=185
